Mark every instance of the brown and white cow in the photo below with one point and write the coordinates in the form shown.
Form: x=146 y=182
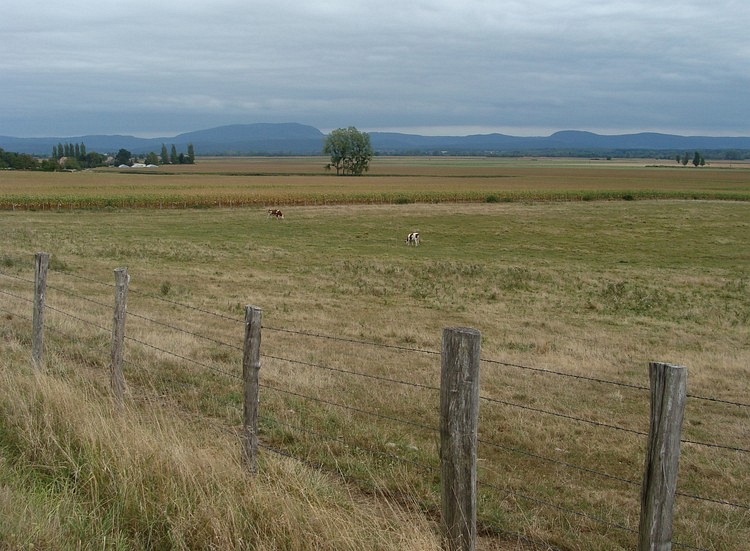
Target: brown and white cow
x=275 y=213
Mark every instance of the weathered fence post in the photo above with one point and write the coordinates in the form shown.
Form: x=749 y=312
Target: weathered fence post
x=668 y=393
x=41 y=264
x=459 y=414
x=250 y=369
x=117 y=380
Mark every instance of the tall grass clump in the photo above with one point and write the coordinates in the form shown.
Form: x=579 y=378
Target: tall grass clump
x=77 y=472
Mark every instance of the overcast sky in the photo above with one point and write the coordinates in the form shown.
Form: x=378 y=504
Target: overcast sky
x=523 y=67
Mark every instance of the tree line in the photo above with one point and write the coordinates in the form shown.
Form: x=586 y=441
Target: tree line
x=698 y=159
x=71 y=156
x=75 y=156
x=125 y=157
x=17 y=161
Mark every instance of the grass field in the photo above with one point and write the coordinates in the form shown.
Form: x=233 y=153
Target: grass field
x=554 y=279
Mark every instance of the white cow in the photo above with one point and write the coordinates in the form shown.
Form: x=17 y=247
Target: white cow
x=413 y=238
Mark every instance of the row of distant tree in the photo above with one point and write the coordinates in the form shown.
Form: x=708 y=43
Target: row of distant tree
x=698 y=159
x=125 y=157
x=70 y=156
x=74 y=156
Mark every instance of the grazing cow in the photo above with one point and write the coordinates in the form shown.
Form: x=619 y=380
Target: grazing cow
x=413 y=238
x=276 y=213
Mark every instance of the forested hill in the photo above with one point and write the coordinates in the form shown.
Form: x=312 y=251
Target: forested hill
x=299 y=139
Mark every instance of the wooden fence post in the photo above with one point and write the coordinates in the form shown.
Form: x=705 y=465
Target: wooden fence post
x=459 y=415
x=41 y=264
x=117 y=380
x=668 y=393
x=250 y=369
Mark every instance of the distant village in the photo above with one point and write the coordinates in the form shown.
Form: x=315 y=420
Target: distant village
x=76 y=157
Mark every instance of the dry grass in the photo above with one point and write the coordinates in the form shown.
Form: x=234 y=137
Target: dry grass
x=77 y=470
x=589 y=288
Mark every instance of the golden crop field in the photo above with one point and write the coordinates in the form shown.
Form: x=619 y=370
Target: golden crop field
x=576 y=272
x=216 y=182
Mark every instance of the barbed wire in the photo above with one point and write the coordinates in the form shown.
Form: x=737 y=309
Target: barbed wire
x=81 y=297
x=185 y=331
x=586 y=470
x=563 y=416
x=589 y=516
x=546 y=503
x=564 y=374
x=350 y=408
x=83 y=278
x=581 y=514
x=191 y=360
x=70 y=338
x=425 y=466
x=309 y=364
x=355 y=373
x=12 y=276
x=688 y=546
x=717 y=446
x=381 y=345
x=183 y=305
x=605 y=381
x=346 y=477
x=16 y=314
x=77 y=318
x=719 y=400
x=603 y=474
x=417 y=385
x=713 y=500
x=16 y=296
x=351 y=340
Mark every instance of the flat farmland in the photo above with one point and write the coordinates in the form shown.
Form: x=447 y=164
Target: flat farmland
x=567 y=291
x=215 y=182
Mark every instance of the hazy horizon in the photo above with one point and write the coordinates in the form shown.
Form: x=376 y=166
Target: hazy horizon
x=434 y=68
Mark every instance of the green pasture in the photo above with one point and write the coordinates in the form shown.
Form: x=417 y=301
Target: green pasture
x=587 y=288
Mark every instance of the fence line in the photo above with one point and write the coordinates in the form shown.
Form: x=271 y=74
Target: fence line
x=355 y=341
x=386 y=379
x=417 y=385
x=352 y=340
x=485 y=442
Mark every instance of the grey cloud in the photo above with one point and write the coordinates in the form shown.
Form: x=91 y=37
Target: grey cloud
x=144 y=67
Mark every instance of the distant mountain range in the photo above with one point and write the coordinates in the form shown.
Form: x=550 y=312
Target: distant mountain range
x=299 y=139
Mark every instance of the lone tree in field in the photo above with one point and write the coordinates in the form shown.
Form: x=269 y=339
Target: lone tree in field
x=350 y=151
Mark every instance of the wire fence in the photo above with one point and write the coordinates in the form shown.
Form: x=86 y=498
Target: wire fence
x=367 y=410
